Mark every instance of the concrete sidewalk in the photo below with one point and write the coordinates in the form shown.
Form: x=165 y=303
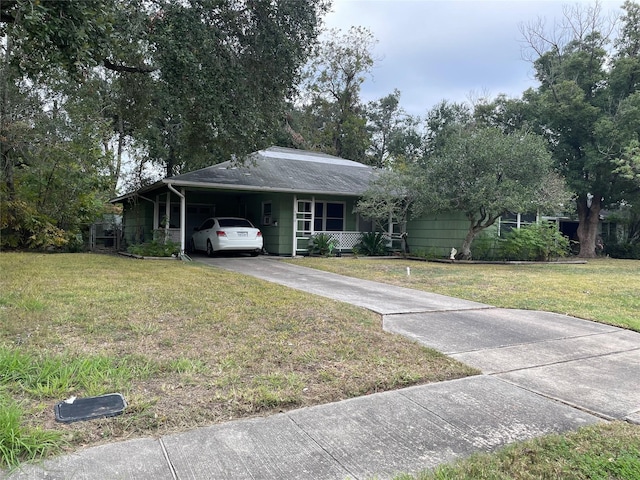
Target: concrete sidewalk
x=543 y=373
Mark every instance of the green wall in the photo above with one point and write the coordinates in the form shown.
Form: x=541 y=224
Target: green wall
x=137 y=222
x=278 y=239
x=436 y=234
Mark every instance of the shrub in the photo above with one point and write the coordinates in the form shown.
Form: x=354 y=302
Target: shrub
x=155 y=248
x=322 y=244
x=430 y=253
x=372 y=244
x=536 y=242
x=486 y=246
x=22 y=226
x=623 y=250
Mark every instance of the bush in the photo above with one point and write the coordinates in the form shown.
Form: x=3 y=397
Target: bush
x=372 y=244
x=322 y=244
x=486 y=246
x=536 y=242
x=155 y=248
x=22 y=227
x=623 y=250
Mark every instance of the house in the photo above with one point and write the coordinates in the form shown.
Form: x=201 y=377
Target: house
x=289 y=194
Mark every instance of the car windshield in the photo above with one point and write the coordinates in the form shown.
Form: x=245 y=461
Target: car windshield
x=234 y=222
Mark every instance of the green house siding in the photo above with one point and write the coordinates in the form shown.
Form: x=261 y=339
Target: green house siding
x=436 y=234
x=137 y=222
x=277 y=235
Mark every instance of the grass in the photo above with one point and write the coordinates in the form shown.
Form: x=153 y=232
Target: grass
x=190 y=345
x=187 y=345
x=603 y=452
x=603 y=290
x=19 y=442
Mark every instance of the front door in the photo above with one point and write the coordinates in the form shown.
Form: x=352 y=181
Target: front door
x=304 y=225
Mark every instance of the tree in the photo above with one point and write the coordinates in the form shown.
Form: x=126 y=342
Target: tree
x=58 y=183
x=184 y=83
x=394 y=134
x=484 y=173
x=390 y=198
x=586 y=106
x=72 y=34
x=507 y=114
x=441 y=122
x=334 y=119
x=225 y=69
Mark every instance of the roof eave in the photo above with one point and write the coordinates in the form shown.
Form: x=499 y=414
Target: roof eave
x=248 y=188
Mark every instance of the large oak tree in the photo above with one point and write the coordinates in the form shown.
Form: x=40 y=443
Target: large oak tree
x=587 y=106
x=185 y=83
x=484 y=173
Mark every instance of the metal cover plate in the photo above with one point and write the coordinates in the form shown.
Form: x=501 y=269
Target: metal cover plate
x=90 y=407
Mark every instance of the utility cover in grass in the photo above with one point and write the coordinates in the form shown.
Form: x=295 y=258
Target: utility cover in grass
x=75 y=409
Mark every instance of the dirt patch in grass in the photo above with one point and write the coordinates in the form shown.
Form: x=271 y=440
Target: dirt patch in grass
x=187 y=345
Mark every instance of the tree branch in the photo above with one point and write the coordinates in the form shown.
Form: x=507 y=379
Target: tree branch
x=127 y=69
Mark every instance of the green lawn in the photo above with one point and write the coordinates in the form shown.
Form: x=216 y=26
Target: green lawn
x=190 y=345
x=603 y=290
x=605 y=452
x=187 y=344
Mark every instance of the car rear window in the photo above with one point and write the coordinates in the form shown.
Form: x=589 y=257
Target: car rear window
x=234 y=222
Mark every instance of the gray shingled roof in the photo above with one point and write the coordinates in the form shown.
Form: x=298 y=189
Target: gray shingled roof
x=283 y=170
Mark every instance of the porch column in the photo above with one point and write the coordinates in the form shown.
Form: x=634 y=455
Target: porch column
x=156 y=212
x=183 y=221
x=167 y=216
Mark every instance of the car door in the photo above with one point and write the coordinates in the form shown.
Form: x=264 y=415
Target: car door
x=200 y=237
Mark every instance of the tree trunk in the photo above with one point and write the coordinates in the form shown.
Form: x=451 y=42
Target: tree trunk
x=588 y=223
x=478 y=222
x=6 y=160
x=465 y=253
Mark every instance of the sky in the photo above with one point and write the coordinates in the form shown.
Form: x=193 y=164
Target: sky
x=455 y=50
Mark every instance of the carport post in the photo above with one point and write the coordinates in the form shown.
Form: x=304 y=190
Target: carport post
x=183 y=217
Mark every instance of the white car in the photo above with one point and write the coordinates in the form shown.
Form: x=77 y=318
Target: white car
x=223 y=234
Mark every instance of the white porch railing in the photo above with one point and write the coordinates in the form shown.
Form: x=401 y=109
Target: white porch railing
x=172 y=234
x=346 y=240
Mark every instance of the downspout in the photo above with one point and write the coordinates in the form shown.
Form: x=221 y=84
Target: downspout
x=183 y=219
x=295 y=225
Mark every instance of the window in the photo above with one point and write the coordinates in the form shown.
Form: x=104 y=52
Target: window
x=303 y=216
x=234 y=222
x=267 y=218
x=174 y=221
x=328 y=217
